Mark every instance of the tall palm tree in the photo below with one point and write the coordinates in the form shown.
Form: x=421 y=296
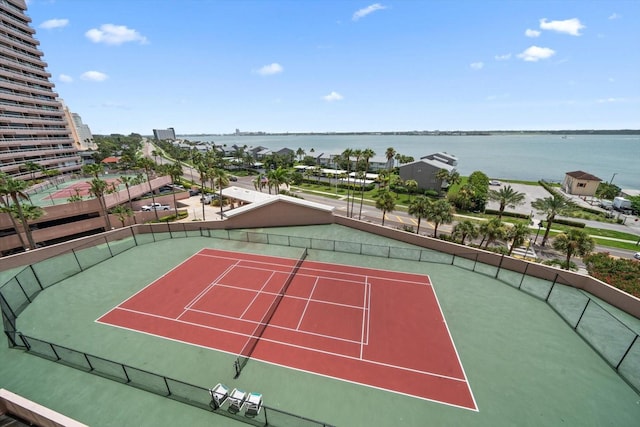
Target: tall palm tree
x=390 y=154
x=551 y=206
x=440 y=212
x=148 y=166
x=419 y=208
x=94 y=169
x=128 y=181
x=507 y=197
x=386 y=202
x=465 y=229
x=346 y=159
x=98 y=188
x=202 y=171
x=221 y=179
x=574 y=242
x=517 y=234
x=367 y=154
x=175 y=172
x=357 y=153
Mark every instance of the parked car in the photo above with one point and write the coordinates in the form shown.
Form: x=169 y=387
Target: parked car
x=194 y=192
x=207 y=198
x=155 y=207
x=233 y=178
x=494 y=182
x=636 y=255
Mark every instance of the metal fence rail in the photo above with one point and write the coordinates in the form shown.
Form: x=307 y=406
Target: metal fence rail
x=161 y=385
x=611 y=338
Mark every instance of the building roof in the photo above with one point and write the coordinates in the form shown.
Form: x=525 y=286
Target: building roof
x=258 y=200
x=111 y=159
x=583 y=175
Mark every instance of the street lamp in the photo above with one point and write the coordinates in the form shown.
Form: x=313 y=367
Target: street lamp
x=538 y=232
x=614 y=175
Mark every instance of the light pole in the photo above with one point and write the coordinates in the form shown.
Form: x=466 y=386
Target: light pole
x=538 y=232
x=614 y=175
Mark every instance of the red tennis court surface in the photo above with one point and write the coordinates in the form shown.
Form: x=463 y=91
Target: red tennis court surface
x=81 y=189
x=378 y=328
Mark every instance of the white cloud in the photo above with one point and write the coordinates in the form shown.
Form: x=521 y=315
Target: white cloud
x=114 y=35
x=609 y=100
x=477 y=65
x=54 y=23
x=333 y=96
x=614 y=16
x=94 y=76
x=270 y=69
x=532 y=33
x=535 y=53
x=367 y=10
x=504 y=57
x=568 y=26
x=65 y=78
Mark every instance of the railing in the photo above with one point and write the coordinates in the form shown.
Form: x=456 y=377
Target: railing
x=610 y=337
x=189 y=394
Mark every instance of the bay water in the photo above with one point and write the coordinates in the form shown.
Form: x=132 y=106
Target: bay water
x=529 y=157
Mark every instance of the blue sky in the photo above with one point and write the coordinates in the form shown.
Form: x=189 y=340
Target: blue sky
x=204 y=66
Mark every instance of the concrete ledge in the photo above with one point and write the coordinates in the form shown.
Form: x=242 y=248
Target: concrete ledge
x=11 y=403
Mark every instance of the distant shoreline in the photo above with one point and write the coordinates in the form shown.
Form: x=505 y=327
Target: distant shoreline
x=436 y=133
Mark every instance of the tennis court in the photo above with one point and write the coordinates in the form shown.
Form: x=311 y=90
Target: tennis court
x=81 y=189
x=383 y=329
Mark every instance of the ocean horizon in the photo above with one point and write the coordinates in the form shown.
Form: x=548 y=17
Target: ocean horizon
x=528 y=157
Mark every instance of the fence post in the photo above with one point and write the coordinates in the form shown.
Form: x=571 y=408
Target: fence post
x=36 y=276
x=134 y=236
x=582 y=314
x=77 y=260
x=499 y=265
x=524 y=274
x=108 y=246
x=627 y=352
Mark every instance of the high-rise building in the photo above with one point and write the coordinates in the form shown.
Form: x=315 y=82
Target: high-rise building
x=33 y=127
x=164 y=134
x=80 y=132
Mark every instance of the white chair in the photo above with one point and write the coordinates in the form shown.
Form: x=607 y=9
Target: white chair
x=253 y=404
x=219 y=394
x=236 y=400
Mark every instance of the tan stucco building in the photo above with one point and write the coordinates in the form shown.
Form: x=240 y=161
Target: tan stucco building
x=579 y=183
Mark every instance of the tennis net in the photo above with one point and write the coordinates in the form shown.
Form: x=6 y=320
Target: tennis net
x=250 y=345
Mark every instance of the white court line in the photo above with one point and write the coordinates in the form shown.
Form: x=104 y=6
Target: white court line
x=206 y=289
x=306 y=305
x=364 y=325
x=368 y=308
x=255 y=297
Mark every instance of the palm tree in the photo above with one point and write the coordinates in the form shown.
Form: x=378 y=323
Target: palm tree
x=367 y=154
x=450 y=177
x=148 y=165
x=221 y=180
x=412 y=186
x=10 y=187
x=98 y=188
x=357 y=153
x=491 y=231
x=202 y=171
x=390 y=155
x=440 y=212
x=551 y=206
x=574 y=242
x=419 y=208
x=386 y=202
x=32 y=167
x=300 y=153
x=465 y=229
x=94 y=169
x=128 y=181
x=518 y=235
x=507 y=197
x=346 y=158
x=122 y=212
x=175 y=172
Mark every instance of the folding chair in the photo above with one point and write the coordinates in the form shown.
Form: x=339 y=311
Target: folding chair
x=219 y=394
x=253 y=404
x=236 y=400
